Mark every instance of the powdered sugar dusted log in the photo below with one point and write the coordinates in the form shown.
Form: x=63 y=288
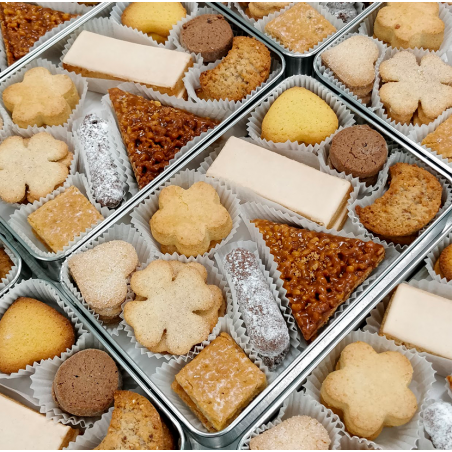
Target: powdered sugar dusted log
x=264 y=322
x=105 y=181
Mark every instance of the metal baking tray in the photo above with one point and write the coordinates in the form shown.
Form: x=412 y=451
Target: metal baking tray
x=51 y=50
x=308 y=357
x=301 y=64
x=8 y=244
x=33 y=269
x=318 y=74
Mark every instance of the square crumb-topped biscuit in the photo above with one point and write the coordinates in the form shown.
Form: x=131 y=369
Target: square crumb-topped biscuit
x=62 y=219
x=219 y=383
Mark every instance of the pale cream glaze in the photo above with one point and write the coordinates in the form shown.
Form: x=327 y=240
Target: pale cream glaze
x=127 y=60
x=302 y=189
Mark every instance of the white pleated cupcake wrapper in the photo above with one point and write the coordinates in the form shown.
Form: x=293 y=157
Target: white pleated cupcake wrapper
x=433 y=257
x=13 y=272
x=166 y=373
x=367 y=28
x=6 y=129
x=442 y=366
x=377 y=104
x=285 y=309
x=214 y=277
x=254 y=125
x=120 y=231
x=113 y=148
x=337 y=23
x=143 y=213
x=107 y=27
x=298 y=404
x=252 y=210
x=19 y=220
x=118 y=9
x=330 y=76
x=200 y=109
x=399 y=157
x=354 y=443
x=17 y=77
x=405 y=436
x=42 y=291
x=301 y=156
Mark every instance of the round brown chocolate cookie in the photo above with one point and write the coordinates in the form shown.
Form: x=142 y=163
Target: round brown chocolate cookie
x=85 y=384
x=445 y=263
x=208 y=34
x=359 y=151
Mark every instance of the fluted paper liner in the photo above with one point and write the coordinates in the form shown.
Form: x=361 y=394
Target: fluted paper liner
x=400 y=157
x=6 y=128
x=405 y=436
x=166 y=373
x=285 y=309
x=199 y=109
x=298 y=404
x=119 y=231
x=6 y=281
x=354 y=443
x=337 y=23
x=107 y=27
x=254 y=125
x=252 y=210
x=42 y=291
x=143 y=212
x=442 y=366
x=112 y=146
x=214 y=277
x=433 y=257
x=17 y=77
x=18 y=221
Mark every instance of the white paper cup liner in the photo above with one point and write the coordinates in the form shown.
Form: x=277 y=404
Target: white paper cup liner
x=399 y=157
x=367 y=28
x=113 y=148
x=354 y=443
x=166 y=373
x=252 y=210
x=143 y=212
x=107 y=27
x=254 y=125
x=298 y=404
x=214 y=277
x=42 y=291
x=6 y=128
x=442 y=366
x=433 y=257
x=17 y=77
x=337 y=23
x=376 y=102
x=18 y=221
x=330 y=76
x=285 y=309
x=405 y=436
x=4 y=282
x=120 y=231
x=200 y=109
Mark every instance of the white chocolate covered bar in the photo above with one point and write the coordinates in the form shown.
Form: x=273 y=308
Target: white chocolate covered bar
x=26 y=429
x=419 y=319
x=307 y=191
x=98 y=56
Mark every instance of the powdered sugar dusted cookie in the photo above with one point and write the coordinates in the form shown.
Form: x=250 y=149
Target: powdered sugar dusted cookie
x=438 y=424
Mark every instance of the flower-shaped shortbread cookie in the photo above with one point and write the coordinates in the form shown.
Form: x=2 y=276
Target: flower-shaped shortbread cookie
x=175 y=309
x=188 y=221
x=32 y=168
x=409 y=86
x=41 y=99
x=369 y=390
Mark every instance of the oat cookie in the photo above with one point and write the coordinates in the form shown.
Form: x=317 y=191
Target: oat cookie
x=176 y=309
x=31 y=168
x=258 y=10
x=370 y=390
x=190 y=220
x=441 y=139
x=445 y=263
x=41 y=99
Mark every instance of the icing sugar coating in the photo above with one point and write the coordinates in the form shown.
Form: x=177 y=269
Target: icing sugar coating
x=106 y=185
x=342 y=10
x=264 y=322
x=438 y=424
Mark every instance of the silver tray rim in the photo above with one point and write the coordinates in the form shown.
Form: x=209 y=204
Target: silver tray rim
x=11 y=247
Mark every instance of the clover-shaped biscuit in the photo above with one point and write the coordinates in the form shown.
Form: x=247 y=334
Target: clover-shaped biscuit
x=175 y=309
x=101 y=276
x=190 y=221
x=32 y=168
x=41 y=99
x=369 y=390
x=409 y=86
